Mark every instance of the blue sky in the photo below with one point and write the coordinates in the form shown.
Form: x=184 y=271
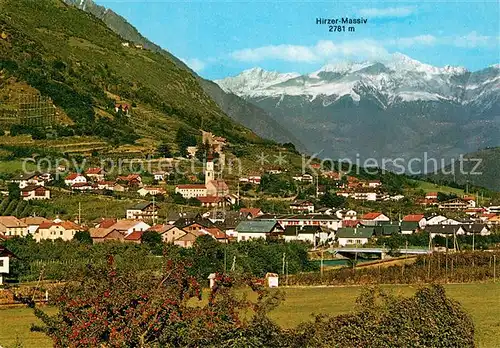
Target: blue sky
x=222 y=38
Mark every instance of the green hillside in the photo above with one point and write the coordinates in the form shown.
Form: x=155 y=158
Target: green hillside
x=238 y=109
x=72 y=57
x=481 y=168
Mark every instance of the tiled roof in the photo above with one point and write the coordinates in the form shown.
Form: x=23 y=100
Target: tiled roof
x=371 y=216
x=256 y=226
x=94 y=171
x=191 y=186
x=72 y=176
x=136 y=235
x=252 y=211
x=11 y=221
x=360 y=232
x=413 y=218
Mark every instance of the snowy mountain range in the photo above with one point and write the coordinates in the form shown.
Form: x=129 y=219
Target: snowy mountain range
x=399 y=106
x=399 y=79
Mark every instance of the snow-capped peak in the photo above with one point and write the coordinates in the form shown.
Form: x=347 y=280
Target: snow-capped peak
x=392 y=80
x=342 y=67
x=253 y=79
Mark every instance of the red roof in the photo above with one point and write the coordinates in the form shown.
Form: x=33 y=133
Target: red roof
x=252 y=211
x=216 y=233
x=371 y=216
x=431 y=194
x=350 y=223
x=106 y=223
x=94 y=171
x=413 y=218
x=73 y=176
x=81 y=184
x=191 y=186
x=136 y=235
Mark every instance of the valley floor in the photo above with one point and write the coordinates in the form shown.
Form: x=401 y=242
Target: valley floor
x=482 y=301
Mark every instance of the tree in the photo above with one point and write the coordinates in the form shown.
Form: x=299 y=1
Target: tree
x=83 y=237
x=164 y=150
x=202 y=151
x=183 y=139
x=14 y=191
x=151 y=238
x=332 y=200
x=107 y=307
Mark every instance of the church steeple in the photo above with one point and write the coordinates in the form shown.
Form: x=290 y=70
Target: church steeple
x=209 y=169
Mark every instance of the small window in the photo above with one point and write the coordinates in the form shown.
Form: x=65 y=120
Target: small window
x=1 y=263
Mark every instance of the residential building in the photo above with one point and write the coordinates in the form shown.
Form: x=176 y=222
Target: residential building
x=313 y=234
x=476 y=229
x=12 y=226
x=95 y=174
x=33 y=222
x=212 y=201
x=444 y=230
x=169 y=233
x=302 y=206
x=143 y=211
x=357 y=236
x=455 y=204
x=152 y=191
x=254 y=229
x=64 y=230
x=188 y=239
x=5 y=256
x=31 y=179
x=252 y=212
x=374 y=183
x=75 y=178
x=373 y=219
x=160 y=175
x=31 y=192
x=131 y=180
x=431 y=195
x=412 y=223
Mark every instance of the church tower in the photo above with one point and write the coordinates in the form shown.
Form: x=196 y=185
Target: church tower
x=209 y=170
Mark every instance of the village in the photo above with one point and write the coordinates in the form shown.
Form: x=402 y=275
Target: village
x=219 y=213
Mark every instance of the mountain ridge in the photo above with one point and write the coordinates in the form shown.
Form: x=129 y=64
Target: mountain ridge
x=245 y=113
x=398 y=108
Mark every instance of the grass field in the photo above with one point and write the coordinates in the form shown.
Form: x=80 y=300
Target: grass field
x=430 y=187
x=482 y=301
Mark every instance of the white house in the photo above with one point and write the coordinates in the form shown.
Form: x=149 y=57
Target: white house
x=95 y=174
x=24 y=180
x=374 y=183
x=436 y=219
x=302 y=206
x=64 y=230
x=255 y=229
x=31 y=192
x=12 y=226
x=348 y=236
x=5 y=256
x=160 y=176
x=312 y=234
x=33 y=222
x=75 y=178
x=152 y=191
x=372 y=219
x=327 y=222
x=142 y=211
x=191 y=190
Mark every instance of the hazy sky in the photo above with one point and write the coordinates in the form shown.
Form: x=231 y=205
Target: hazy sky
x=222 y=38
